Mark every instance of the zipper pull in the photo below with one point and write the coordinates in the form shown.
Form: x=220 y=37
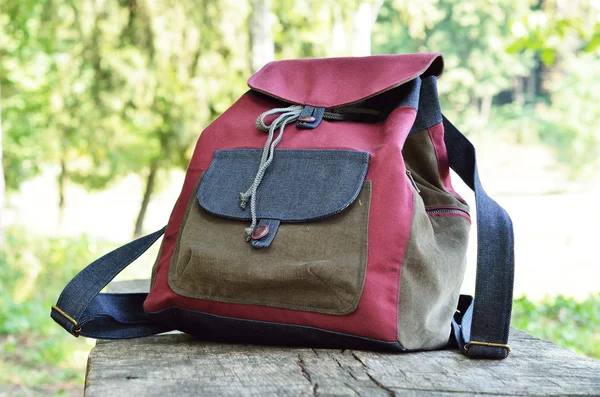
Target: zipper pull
x=409 y=174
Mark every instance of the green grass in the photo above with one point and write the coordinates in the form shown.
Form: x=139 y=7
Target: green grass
x=39 y=358
x=567 y=322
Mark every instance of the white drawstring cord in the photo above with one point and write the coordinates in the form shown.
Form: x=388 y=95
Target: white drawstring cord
x=288 y=115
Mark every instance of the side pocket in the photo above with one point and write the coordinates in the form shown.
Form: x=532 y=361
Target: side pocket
x=430 y=171
x=435 y=258
x=432 y=275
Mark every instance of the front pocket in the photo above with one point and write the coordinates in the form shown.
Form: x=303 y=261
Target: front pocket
x=318 y=257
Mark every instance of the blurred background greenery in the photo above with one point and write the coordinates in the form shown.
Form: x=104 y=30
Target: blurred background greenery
x=102 y=101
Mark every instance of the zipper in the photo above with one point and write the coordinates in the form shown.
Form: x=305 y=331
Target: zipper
x=451 y=210
x=412 y=180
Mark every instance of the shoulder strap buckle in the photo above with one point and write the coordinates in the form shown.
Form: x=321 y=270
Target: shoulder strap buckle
x=76 y=328
x=488 y=344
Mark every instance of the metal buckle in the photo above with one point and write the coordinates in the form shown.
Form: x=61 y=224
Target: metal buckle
x=488 y=344
x=77 y=329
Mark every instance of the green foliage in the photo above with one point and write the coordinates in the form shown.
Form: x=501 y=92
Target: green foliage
x=472 y=36
x=110 y=87
x=565 y=122
x=36 y=352
x=565 y=321
x=114 y=87
x=553 y=28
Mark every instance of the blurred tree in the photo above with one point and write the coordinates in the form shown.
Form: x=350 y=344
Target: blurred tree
x=179 y=80
x=2 y=183
x=472 y=35
x=261 y=34
x=555 y=27
x=104 y=88
x=23 y=71
x=556 y=30
x=364 y=20
x=105 y=95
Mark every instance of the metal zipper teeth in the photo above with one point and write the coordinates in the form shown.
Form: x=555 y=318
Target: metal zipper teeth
x=448 y=211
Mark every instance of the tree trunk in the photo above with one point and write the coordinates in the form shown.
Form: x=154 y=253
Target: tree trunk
x=2 y=182
x=532 y=86
x=486 y=107
x=261 y=37
x=364 y=19
x=150 y=182
x=339 y=44
x=62 y=180
x=518 y=96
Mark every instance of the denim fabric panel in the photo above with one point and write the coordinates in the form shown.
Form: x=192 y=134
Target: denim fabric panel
x=411 y=91
x=317 y=113
x=430 y=112
x=491 y=310
x=234 y=330
x=300 y=185
x=266 y=241
x=119 y=316
x=80 y=298
x=406 y=94
x=465 y=303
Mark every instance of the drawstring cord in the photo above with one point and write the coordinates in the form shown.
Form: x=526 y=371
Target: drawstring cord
x=286 y=116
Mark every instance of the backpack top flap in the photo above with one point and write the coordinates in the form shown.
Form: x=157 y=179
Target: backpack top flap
x=334 y=82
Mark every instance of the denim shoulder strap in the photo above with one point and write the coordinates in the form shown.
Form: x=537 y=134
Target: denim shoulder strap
x=82 y=310
x=482 y=325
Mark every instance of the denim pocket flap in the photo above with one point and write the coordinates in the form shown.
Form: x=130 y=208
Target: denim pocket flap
x=300 y=185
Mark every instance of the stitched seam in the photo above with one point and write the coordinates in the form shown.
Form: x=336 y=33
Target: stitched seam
x=401 y=270
x=391 y=343
x=172 y=275
x=309 y=269
x=444 y=207
x=439 y=170
x=253 y=85
x=451 y=214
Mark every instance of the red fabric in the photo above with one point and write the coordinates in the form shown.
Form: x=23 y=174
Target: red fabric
x=331 y=82
x=389 y=224
x=322 y=83
x=436 y=133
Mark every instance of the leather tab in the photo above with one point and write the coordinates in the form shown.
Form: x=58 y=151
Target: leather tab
x=310 y=117
x=271 y=226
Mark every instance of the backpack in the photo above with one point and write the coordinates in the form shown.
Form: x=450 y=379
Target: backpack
x=318 y=210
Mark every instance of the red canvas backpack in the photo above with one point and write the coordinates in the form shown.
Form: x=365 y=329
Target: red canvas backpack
x=318 y=210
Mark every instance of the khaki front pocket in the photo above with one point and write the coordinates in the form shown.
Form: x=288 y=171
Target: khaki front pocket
x=316 y=266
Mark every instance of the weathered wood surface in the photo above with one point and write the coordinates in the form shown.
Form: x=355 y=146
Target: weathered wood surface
x=180 y=365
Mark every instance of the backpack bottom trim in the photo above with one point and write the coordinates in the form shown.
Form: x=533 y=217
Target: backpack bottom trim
x=212 y=327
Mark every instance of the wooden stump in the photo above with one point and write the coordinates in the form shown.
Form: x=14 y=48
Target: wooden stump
x=180 y=365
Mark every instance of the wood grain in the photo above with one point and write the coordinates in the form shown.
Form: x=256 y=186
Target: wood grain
x=180 y=365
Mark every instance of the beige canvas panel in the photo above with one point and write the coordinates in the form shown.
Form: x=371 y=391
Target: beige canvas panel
x=435 y=259
x=432 y=274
